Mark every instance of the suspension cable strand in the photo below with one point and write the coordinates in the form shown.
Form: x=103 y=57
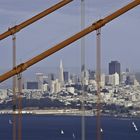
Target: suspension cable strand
x=22 y=67
x=83 y=70
x=19 y=106
x=14 y=88
x=26 y=23
x=83 y=38
x=98 y=81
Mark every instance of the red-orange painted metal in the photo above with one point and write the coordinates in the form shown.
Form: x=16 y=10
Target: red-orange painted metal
x=28 y=22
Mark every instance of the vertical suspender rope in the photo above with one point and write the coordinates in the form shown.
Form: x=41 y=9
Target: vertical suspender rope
x=83 y=70
x=14 y=87
x=19 y=76
x=98 y=81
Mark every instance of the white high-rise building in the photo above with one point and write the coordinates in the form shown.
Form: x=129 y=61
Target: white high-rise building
x=85 y=77
x=52 y=87
x=61 y=74
x=39 y=78
x=102 y=80
x=45 y=87
x=123 y=77
x=55 y=86
x=116 y=79
x=112 y=79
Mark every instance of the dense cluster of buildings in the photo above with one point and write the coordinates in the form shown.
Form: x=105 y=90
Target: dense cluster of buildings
x=117 y=88
x=54 y=84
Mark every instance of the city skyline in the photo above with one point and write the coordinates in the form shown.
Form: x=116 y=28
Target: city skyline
x=96 y=71
x=58 y=70
x=114 y=76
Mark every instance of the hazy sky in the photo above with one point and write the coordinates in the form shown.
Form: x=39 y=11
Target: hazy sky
x=120 y=38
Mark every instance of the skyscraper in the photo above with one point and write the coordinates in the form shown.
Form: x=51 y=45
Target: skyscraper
x=92 y=75
x=114 y=67
x=39 y=77
x=66 y=76
x=61 y=74
x=32 y=85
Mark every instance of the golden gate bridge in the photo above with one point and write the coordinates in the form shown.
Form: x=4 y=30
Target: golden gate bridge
x=16 y=71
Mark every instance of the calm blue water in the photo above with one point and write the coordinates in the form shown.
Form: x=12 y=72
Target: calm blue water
x=41 y=127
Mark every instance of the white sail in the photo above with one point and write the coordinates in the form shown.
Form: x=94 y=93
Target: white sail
x=101 y=130
x=134 y=125
x=73 y=136
x=62 y=132
x=10 y=122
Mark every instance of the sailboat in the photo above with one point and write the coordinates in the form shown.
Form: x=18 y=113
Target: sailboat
x=10 y=122
x=134 y=125
x=101 y=130
x=73 y=135
x=62 y=132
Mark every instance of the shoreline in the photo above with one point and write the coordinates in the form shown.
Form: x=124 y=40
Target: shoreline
x=50 y=112
x=65 y=112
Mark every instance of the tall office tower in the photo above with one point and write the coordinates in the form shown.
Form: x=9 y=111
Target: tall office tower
x=85 y=77
x=114 y=67
x=82 y=73
x=66 y=76
x=61 y=76
x=32 y=85
x=39 y=77
x=92 y=75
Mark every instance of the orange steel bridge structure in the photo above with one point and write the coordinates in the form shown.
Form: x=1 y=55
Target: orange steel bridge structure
x=17 y=70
